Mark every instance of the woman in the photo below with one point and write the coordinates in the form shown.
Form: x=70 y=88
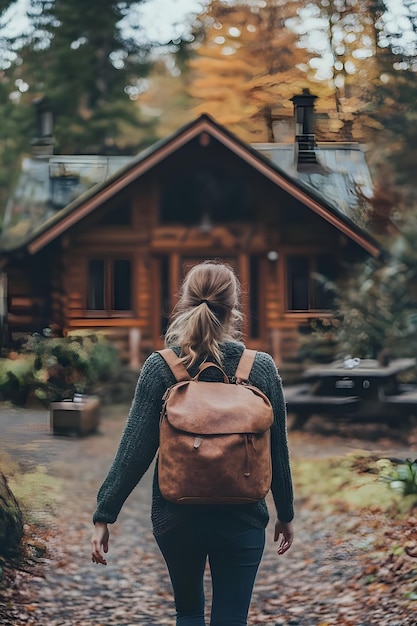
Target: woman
x=205 y=326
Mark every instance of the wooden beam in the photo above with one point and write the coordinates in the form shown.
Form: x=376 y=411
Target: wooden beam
x=107 y=322
x=243 y=265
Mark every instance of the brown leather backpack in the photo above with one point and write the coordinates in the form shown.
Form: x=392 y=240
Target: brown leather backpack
x=214 y=437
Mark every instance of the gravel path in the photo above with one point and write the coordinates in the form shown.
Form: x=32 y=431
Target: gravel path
x=318 y=583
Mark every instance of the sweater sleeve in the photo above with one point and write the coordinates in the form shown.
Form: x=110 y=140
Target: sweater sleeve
x=139 y=442
x=282 y=489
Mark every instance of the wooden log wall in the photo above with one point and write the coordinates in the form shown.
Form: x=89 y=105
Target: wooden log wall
x=27 y=298
x=96 y=239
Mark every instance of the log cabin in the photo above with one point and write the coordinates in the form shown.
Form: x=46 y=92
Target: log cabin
x=102 y=243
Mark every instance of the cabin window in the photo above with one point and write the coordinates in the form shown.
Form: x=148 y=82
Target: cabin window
x=119 y=216
x=165 y=293
x=201 y=197
x=109 y=285
x=309 y=278
x=254 y=300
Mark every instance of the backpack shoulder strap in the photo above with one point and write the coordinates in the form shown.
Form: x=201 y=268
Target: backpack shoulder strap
x=245 y=365
x=176 y=367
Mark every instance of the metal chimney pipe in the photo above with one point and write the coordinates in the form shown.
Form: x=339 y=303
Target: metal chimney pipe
x=304 y=118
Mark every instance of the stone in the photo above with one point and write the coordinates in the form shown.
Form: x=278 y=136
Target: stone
x=11 y=520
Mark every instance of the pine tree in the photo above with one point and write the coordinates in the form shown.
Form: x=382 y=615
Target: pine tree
x=76 y=55
x=378 y=305
x=16 y=115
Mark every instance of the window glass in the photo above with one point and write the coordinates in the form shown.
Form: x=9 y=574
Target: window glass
x=309 y=282
x=298 y=274
x=254 y=321
x=120 y=216
x=121 y=285
x=211 y=195
x=109 y=285
x=165 y=293
x=96 y=279
x=324 y=275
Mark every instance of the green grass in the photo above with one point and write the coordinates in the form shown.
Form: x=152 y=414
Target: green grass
x=37 y=492
x=349 y=481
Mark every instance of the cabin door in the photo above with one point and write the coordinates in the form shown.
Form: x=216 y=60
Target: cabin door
x=169 y=271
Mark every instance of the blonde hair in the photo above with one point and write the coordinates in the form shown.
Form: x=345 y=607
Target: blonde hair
x=208 y=312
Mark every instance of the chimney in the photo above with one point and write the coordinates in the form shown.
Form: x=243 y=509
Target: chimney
x=43 y=143
x=305 y=140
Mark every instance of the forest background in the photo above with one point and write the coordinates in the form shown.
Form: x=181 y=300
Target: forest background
x=113 y=89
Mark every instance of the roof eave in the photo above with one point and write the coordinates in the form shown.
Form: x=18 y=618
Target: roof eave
x=91 y=199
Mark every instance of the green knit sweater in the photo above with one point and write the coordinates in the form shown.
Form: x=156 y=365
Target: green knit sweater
x=140 y=440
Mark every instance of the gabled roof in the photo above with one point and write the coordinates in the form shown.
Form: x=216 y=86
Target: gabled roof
x=341 y=176
x=98 y=179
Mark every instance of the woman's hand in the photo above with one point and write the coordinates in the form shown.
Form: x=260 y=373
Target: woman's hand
x=100 y=538
x=286 y=530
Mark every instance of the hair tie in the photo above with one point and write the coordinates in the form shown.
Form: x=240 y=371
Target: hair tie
x=204 y=300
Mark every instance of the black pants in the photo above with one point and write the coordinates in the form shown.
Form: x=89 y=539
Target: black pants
x=234 y=550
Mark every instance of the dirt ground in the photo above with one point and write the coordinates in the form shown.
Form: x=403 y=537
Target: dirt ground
x=340 y=570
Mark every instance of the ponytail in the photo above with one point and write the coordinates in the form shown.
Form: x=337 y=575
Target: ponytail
x=207 y=313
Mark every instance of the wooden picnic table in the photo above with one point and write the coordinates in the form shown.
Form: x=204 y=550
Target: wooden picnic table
x=366 y=368
x=362 y=388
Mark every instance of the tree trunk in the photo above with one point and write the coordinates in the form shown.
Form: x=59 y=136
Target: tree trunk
x=11 y=520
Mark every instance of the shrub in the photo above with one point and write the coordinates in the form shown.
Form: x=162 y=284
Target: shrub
x=16 y=379
x=401 y=477
x=104 y=362
x=56 y=368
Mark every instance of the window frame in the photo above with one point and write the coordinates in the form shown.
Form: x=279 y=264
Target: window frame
x=108 y=296
x=312 y=262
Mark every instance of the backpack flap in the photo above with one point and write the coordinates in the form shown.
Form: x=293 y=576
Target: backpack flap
x=210 y=408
